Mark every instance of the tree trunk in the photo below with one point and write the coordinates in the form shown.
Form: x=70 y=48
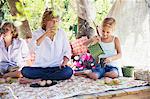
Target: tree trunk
x=84 y=29
x=25 y=31
x=1 y=16
x=1 y=12
x=84 y=15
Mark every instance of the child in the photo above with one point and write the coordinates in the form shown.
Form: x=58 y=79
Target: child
x=111 y=46
x=14 y=51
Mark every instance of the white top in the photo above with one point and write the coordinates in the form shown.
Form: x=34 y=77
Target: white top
x=50 y=53
x=109 y=50
x=16 y=55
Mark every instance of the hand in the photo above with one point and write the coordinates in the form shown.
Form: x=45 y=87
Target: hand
x=51 y=30
x=62 y=65
x=95 y=39
x=107 y=60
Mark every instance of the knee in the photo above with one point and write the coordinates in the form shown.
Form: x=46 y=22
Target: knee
x=25 y=71
x=93 y=76
x=68 y=72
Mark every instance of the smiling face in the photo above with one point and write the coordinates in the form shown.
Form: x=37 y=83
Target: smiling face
x=108 y=27
x=106 y=32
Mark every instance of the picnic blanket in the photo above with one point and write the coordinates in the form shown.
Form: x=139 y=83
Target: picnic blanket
x=64 y=89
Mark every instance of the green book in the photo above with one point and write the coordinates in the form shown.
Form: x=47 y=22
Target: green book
x=95 y=50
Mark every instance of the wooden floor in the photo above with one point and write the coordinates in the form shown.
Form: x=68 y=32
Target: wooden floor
x=131 y=93
x=141 y=95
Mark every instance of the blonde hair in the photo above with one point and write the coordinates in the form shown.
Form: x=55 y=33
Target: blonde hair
x=13 y=28
x=48 y=15
x=109 y=22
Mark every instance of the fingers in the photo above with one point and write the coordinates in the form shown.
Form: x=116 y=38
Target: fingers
x=107 y=60
x=96 y=39
x=50 y=30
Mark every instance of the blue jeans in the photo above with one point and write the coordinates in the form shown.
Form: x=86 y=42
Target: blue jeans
x=100 y=71
x=49 y=73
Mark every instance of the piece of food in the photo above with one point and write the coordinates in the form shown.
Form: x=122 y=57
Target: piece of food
x=43 y=83
x=48 y=82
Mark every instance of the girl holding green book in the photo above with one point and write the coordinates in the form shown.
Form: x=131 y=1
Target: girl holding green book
x=112 y=52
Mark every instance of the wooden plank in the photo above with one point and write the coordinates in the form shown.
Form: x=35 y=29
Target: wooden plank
x=117 y=93
x=142 y=95
x=83 y=97
x=137 y=89
x=134 y=93
x=104 y=95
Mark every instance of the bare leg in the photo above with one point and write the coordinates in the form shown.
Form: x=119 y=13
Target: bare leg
x=83 y=73
x=93 y=75
x=26 y=80
x=2 y=80
x=79 y=73
x=15 y=74
x=111 y=74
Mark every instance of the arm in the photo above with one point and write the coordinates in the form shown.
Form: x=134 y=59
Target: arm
x=65 y=61
x=40 y=39
x=87 y=42
x=66 y=51
x=118 y=49
x=49 y=32
x=93 y=40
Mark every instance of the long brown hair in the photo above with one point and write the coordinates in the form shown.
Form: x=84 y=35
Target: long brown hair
x=47 y=16
x=13 y=28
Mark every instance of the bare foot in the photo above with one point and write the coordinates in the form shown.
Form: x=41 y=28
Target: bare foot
x=79 y=73
x=2 y=80
x=107 y=80
x=26 y=80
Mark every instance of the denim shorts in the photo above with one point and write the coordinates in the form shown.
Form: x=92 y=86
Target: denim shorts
x=101 y=71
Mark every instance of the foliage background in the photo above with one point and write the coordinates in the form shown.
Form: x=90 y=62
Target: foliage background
x=32 y=10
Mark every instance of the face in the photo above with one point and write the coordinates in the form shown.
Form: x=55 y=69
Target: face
x=7 y=31
x=52 y=23
x=106 y=32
